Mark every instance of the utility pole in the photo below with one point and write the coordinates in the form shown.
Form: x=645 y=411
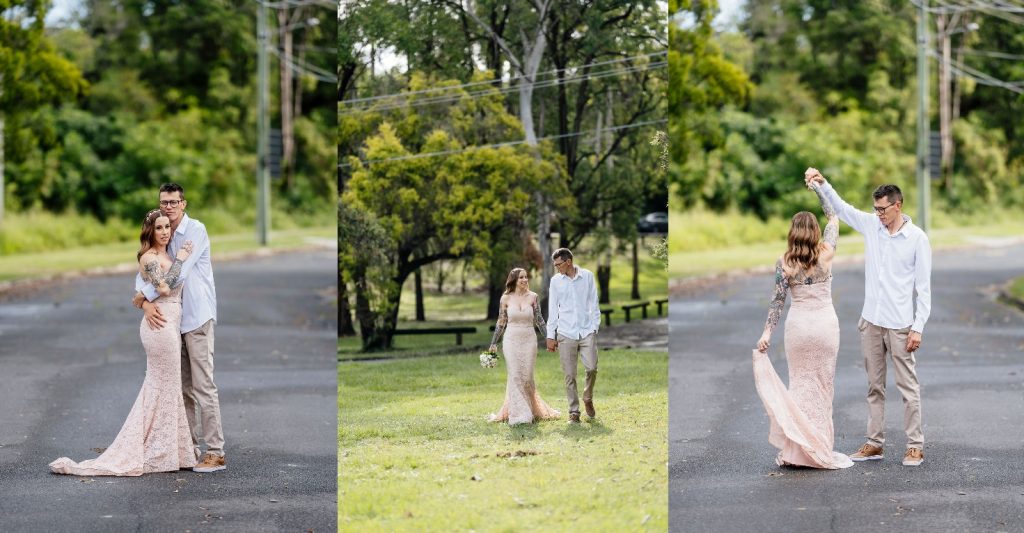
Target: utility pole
x=262 y=177
x=923 y=179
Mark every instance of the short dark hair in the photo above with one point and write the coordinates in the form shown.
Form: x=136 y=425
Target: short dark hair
x=562 y=253
x=173 y=187
x=889 y=192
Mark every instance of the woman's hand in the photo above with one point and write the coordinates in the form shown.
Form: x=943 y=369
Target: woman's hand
x=493 y=348
x=163 y=288
x=764 y=342
x=185 y=251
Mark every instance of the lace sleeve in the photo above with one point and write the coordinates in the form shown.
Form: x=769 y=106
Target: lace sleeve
x=499 y=328
x=173 y=275
x=778 y=299
x=538 y=318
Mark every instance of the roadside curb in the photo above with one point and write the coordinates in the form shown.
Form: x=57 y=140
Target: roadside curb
x=683 y=286
x=8 y=288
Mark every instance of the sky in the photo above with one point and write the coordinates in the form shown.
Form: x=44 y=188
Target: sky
x=59 y=10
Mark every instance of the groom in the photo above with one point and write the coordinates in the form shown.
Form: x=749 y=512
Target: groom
x=198 y=316
x=573 y=320
x=897 y=262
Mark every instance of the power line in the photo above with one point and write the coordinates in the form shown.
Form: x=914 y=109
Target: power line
x=985 y=53
x=504 y=144
x=967 y=72
x=305 y=68
x=281 y=4
x=503 y=90
x=511 y=79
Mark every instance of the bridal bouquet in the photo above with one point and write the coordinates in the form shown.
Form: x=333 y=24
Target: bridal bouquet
x=489 y=359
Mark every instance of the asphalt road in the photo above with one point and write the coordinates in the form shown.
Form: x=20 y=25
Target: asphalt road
x=722 y=476
x=71 y=364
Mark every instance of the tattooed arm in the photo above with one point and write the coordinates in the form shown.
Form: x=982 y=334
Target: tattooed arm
x=831 y=236
x=499 y=328
x=151 y=272
x=775 y=307
x=538 y=318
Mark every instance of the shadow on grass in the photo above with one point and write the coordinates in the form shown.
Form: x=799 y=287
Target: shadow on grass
x=587 y=429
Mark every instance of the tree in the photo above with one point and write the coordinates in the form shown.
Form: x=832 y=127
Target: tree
x=701 y=82
x=439 y=208
x=31 y=72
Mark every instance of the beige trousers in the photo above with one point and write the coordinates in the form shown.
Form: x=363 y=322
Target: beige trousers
x=875 y=341
x=568 y=351
x=199 y=390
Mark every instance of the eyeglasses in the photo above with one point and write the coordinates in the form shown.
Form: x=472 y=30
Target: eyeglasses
x=559 y=264
x=881 y=210
x=170 y=203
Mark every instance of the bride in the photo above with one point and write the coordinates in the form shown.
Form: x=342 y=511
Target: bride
x=801 y=417
x=518 y=316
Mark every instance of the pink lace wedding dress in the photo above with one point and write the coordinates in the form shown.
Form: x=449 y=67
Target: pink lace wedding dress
x=522 y=402
x=156 y=435
x=801 y=417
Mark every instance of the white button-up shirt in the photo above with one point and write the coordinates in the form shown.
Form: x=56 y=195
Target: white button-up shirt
x=894 y=266
x=199 y=296
x=573 y=309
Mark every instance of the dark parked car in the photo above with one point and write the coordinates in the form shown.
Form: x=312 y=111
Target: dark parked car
x=653 y=223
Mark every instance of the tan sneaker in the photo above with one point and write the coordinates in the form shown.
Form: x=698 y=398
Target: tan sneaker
x=913 y=457
x=210 y=463
x=867 y=452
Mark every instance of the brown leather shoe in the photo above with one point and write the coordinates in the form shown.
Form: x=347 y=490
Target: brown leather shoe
x=867 y=452
x=588 y=405
x=574 y=418
x=913 y=457
x=210 y=463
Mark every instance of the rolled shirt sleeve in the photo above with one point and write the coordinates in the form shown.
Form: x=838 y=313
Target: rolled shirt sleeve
x=922 y=283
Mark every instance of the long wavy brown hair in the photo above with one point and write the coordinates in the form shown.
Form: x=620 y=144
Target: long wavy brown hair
x=804 y=242
x=148 y=229
x=513 y=278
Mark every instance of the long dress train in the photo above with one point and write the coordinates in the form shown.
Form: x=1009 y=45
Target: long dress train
x=801 y=417
x=156 y=435
x=522 y=401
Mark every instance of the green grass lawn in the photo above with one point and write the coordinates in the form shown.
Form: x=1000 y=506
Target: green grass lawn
x=42 y=264
x=416 y=453
x=699 y=255
x=1017 y=288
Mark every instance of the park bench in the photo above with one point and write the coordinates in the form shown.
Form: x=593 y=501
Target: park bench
x=459 y=331
x=606 y=313
x=641 y=305
x=661 y=303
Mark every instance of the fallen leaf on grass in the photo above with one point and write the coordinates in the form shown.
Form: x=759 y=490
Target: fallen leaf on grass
x=517 y=453
x=476 y=478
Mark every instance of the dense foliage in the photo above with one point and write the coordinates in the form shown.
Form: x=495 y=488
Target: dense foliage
x=801 y=83
x=164 y=91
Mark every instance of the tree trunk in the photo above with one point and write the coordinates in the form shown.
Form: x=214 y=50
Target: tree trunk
x=345 y=326
x=441 y=275
x=286 y=103
x=495 y=288
x=2 y=195
x=604 y=278
x=418 y=279
x=636 y=269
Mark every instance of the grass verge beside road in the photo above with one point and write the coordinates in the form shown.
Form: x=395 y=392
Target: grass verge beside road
x=416 y=453
x=45 y=264
x=694 y=250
